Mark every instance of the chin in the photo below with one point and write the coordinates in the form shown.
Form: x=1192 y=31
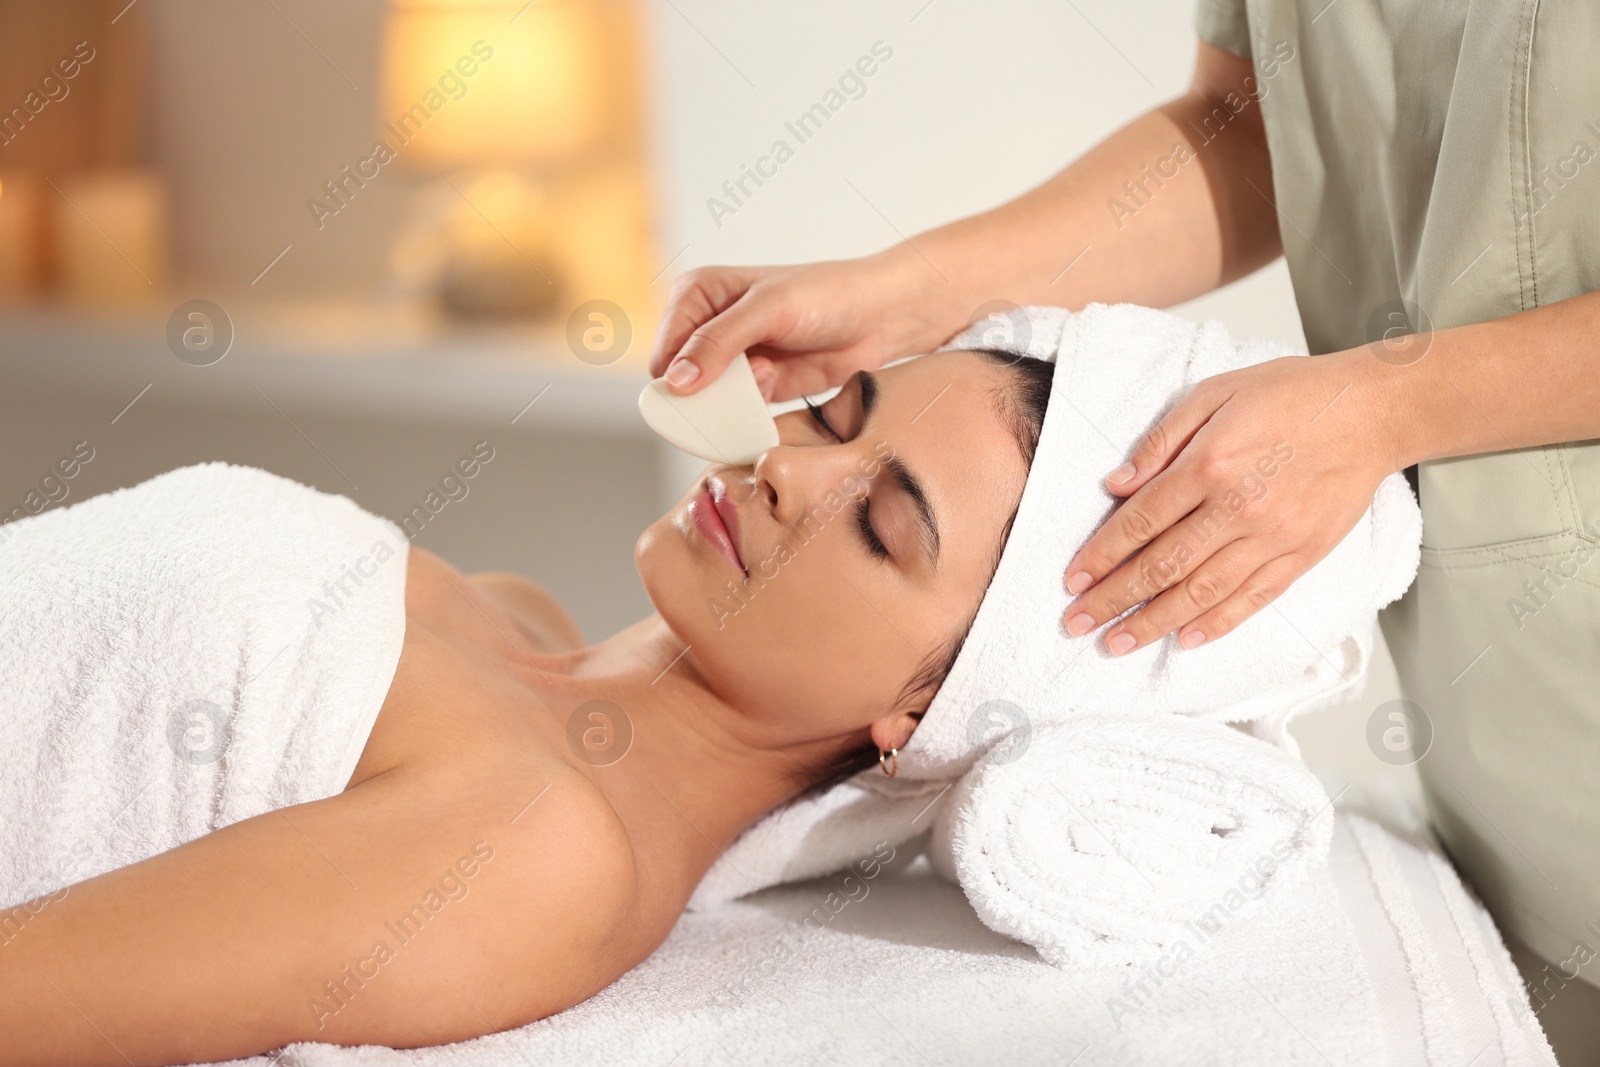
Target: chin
x=673 y=575
x=682 y=582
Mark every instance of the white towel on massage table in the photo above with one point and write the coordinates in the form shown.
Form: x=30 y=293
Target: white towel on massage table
x=1383 y=959
x=209 y=645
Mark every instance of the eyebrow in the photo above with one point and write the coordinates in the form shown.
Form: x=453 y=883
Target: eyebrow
x=867 y=384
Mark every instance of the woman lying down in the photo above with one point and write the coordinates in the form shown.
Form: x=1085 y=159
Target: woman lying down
x=414 y=842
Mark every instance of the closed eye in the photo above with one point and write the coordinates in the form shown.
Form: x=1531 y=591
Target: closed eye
x=864 y=525
x=822 y=422
x=869 y=536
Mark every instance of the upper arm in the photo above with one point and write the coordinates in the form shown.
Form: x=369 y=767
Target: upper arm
x=1218 y=72
x=1220 y=118
x=414 y=909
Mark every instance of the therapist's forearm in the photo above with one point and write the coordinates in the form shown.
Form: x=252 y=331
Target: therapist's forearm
x=1175 y=235
x=1529 y=379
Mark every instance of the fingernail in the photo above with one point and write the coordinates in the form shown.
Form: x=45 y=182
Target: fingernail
x=682 y=373
x=1078 y=581
x=1191 y=638
x=1120 y=642
x=1080 y=624
x=764 y=376
x=1121 y=474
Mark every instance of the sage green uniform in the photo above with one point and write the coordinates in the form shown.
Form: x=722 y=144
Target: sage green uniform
x=1437 y=162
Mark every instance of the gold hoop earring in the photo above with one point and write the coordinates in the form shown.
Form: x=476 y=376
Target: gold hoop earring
x=893 y=766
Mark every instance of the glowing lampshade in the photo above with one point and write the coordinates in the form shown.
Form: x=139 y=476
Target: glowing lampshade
x=467 y=83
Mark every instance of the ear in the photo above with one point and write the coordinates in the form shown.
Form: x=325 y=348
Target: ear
x=894 y=729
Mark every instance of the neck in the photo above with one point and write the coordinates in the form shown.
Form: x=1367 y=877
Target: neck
x=697 y=771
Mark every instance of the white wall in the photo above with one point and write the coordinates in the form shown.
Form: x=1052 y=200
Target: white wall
x=978 y=103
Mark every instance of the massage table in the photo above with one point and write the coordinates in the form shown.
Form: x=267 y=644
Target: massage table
x=905 y=974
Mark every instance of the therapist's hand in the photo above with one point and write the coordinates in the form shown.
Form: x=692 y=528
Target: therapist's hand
x=806 y=328
x=1246 y=484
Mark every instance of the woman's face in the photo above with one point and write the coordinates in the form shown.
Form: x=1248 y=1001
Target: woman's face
x=814 y=585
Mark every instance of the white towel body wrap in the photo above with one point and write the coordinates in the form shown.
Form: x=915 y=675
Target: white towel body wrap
x=206 y=646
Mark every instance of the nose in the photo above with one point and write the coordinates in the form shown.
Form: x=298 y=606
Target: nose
x=795 y=479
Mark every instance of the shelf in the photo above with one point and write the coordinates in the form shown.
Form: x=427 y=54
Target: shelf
x=330 y=358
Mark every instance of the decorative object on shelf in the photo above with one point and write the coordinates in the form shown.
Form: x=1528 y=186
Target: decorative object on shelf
x=22 y=236
x=528 y=117
x=512 y=265
x=77 y=215
x=111 y=238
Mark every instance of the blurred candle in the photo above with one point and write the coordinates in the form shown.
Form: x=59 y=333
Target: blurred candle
x=111 y=237
x=21 y=231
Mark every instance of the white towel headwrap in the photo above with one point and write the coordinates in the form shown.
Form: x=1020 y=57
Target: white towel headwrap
x=1119 y=370
x=1019 y=679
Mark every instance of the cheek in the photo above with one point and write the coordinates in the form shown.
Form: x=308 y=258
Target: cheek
x=809 y=682
x=820 y=637
x=795 y=642
x=833 y=627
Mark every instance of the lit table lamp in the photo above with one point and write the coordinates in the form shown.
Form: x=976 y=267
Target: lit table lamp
x=506 y=102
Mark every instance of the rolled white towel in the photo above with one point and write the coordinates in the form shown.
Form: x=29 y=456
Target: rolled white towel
x=1113 y=836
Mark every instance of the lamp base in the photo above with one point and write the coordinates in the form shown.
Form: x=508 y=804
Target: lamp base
x=499 y=288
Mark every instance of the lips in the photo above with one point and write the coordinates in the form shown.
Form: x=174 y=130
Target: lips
x=717 y=520
x=727 y=512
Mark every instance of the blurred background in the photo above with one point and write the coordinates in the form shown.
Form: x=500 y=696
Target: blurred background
x=347 y=241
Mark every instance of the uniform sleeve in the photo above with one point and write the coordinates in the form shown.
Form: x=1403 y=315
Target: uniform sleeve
x=1224 y=23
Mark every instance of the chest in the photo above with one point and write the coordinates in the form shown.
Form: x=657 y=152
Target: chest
x=460 y=690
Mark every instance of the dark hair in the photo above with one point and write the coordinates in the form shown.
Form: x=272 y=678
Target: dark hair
x=1022 y=403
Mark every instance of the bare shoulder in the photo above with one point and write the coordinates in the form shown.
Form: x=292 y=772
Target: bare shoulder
x=563 y=898
x=430 y=904
x=539 y=613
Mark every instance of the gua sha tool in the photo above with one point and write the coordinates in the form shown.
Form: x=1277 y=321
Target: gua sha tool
x=726 y=422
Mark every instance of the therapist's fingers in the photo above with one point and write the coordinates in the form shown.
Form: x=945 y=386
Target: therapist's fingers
x=1141 y=518
x=714 y=344
x=1169 y=560
x=696 y=298
x=1260 y=589
x=783 y=378
x=1168 y=438
x=1204 y=586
